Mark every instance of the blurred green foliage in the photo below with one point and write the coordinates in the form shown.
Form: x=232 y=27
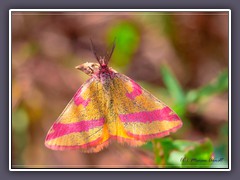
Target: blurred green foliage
x=20 y=124
x=201 y=156
x=175 y=90
x=180 y=153
x=182 y=99
x=171 y=153
x=127 y=41
x=219 y=85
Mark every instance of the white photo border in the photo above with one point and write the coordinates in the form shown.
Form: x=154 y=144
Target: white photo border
x=118 y=10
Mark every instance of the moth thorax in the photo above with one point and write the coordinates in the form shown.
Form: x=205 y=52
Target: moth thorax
x=105 y=75
x=105 y=78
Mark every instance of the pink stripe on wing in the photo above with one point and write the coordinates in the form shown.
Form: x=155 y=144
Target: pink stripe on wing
x=60 y=129
x=150 y=116
x=137 y=90
x=79 y=100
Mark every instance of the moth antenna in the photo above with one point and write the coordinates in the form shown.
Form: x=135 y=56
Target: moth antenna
x=109 y=55
x=94 y=51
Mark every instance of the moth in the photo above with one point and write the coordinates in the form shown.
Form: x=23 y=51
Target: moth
x=110 y=106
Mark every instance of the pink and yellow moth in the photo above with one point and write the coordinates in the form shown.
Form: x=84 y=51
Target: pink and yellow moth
x=110 y=106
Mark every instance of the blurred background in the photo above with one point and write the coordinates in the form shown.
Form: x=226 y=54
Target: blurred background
x=180 y=57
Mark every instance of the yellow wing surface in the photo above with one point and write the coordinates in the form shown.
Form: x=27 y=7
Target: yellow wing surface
x=138 y=114
x=82 y=124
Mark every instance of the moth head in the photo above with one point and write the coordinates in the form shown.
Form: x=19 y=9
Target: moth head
x=88 y=68
x=101 y=66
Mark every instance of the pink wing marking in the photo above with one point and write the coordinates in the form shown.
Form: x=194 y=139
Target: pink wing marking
x=79 y=100
x=150 y=116
x=60 y=129
x=137 y=90
x=144 y=137
x=87 y=145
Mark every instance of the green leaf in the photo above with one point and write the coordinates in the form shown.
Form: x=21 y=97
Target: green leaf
x=175 y=90
x=182 y=145
x=172 y=148
x=175 y=158
x=200 y=156
x=167 y=146
x=182 y=153
x=220 y=85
